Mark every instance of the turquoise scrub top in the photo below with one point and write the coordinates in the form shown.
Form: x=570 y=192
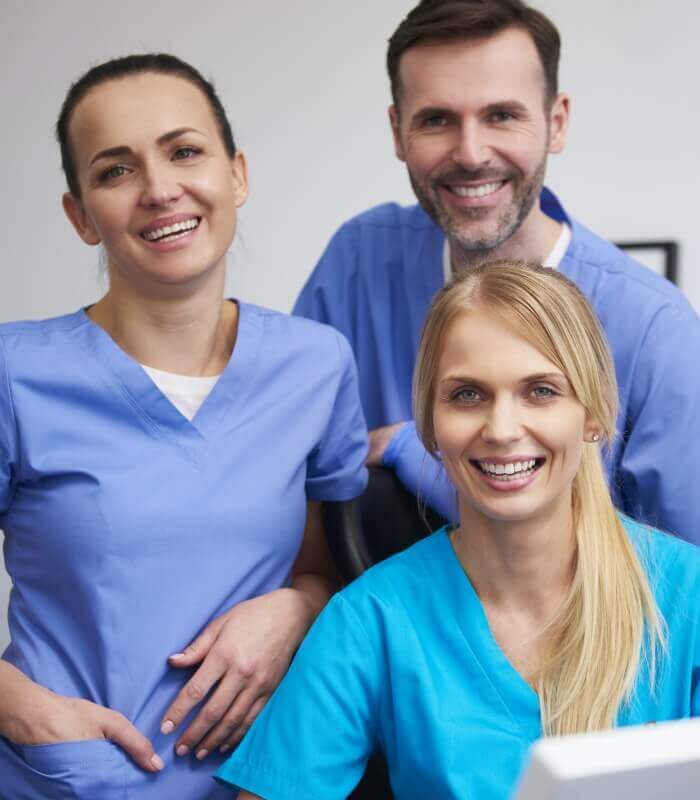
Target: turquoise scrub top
x=403 y=660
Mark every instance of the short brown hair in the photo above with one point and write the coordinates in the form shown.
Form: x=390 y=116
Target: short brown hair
x=435 y=21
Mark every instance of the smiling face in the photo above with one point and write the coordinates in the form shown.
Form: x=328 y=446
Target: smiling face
x=158 y=188
x=508 y=426
x=474 y=132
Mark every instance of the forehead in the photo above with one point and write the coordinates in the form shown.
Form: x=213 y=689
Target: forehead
x=137 y=109
x=475 y=73
x=480 y=344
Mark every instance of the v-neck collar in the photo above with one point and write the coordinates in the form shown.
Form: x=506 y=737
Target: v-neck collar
x=519 y=698
x=149 y=402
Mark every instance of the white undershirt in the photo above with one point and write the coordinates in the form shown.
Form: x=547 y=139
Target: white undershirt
x=552 y=261
x=185 y=392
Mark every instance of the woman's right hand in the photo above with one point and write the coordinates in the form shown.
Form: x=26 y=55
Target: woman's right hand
x=33 y=715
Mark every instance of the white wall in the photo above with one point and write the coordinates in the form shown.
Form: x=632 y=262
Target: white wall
x=304 y=84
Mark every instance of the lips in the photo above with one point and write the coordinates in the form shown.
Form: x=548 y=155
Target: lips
x=476 y=192
x=169 y=228
x=517 y=470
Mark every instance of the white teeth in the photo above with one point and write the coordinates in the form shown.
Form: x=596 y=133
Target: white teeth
x=476 y=191
x=169 y=230
x=519 y=468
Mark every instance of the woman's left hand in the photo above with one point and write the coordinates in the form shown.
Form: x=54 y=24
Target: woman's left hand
x=244 y=654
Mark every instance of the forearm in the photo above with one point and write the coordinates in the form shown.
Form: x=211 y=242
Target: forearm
x=21 y=700
x=316 y=591
x=420 y=473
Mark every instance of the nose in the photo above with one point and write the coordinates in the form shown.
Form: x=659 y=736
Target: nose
x=159 y=186
x=471 y=149
x=502 y=423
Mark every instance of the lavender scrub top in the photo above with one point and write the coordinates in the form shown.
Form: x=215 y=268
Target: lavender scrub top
x=128 y=528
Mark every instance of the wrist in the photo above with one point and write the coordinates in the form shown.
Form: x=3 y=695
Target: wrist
x=28 y=714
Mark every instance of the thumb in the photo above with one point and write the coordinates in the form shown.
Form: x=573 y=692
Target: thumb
x=198 y=649
x=119 y=730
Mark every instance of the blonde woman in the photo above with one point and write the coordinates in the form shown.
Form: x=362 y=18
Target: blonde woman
x=543 y=612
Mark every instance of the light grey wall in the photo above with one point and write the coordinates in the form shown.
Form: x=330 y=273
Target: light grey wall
x=304 y=83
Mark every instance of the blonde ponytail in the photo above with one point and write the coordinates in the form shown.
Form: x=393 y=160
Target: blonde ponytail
x=609 y=618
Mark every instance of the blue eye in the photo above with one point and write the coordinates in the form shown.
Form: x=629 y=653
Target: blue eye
x=468 y=396
x=111 y=173
x=186 y=152
x=543 y=392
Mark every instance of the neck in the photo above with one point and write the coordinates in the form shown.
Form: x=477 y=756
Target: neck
x=533 y=241
x=524 y=566
x=188 y=334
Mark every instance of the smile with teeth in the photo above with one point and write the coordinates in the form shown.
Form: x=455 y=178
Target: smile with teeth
x=171 y=232
x=514 y=470
x=476 y=191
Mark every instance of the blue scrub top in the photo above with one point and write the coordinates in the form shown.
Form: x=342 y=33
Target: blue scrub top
x=404 y=660
x=129 y=528
x=375 y=283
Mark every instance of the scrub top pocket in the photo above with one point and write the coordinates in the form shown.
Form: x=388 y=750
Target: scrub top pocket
x=84 y=770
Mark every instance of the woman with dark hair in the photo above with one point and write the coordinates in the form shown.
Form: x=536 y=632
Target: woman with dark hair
x=162 y=453
x=544 y=612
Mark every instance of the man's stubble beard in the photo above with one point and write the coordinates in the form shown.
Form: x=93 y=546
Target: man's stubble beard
x=477 y=248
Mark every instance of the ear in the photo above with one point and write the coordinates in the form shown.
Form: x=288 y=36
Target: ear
x=396 y=132
x=80 y=220
x=239 y=171
x=559 y=123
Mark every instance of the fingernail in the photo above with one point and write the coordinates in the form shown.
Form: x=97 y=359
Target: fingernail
x=182 y=750
x=202 y=754
x=157 y=762
x=167 y=727
x=224 y=748
x=176 y=655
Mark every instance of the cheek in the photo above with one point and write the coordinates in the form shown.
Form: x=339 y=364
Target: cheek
x=424 y=154
x=565 y=441
x=453 y=432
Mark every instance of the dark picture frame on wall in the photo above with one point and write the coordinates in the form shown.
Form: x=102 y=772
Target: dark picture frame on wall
x=659 y=256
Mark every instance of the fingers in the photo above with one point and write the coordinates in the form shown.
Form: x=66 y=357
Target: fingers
x=119 y=730
x=235 y=737
x=230 y=726
x=199 y=648
x=213 y=714
x=191 y=694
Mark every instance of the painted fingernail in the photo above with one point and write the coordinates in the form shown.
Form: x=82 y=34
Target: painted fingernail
x=157 y=762
x=167 y=727
x=224 y=748
x=202 y=754
x=182 y=750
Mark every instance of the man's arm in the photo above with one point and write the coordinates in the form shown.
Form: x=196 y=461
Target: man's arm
x=655 y=477
x=399 y=448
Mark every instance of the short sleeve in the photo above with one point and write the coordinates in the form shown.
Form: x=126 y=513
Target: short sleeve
x=336 y=467
x=656 y=476
x=313 y=738
x=322 y=298
x=8 y=435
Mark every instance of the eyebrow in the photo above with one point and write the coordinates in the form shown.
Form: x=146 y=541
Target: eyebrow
x=123 y=150
x=505 y=105
x=538 y=376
